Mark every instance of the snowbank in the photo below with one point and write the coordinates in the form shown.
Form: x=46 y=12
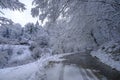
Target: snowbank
x=105 y=58
x=18 y=73
x=109 y=54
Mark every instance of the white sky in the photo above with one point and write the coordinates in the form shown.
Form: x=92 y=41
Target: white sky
x=21 y=17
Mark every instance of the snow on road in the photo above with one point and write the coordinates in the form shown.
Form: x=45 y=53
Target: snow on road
x=69 y=72
x=58 y=71
x=24 y=72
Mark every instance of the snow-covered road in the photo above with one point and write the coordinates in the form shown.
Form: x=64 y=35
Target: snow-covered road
x=24 y=72
x=69 y=72
x=58 y=71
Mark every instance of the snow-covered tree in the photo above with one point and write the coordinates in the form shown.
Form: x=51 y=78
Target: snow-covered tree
x=39 y=38
x=4 y=21
x=8 y=29
x=50 y=9
x=29 y=28
x=12 y=4
x=10 y=32
x=90 y=23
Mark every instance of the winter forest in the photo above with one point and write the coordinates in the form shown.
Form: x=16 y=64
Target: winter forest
x=59 y=39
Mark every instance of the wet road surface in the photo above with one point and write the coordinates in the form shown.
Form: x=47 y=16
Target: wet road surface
x=70 y=72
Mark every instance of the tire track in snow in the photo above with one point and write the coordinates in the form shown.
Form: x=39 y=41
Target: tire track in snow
x=83 y=73
x=76 y=73
x=91 y=73
x=61 y=74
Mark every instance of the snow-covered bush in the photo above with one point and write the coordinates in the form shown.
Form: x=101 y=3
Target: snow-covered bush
x=38 y=46
x=5 y=55
x=40 y=42
x=13 y=55
x=3 y=59
x=112 y=48
x=38 y=52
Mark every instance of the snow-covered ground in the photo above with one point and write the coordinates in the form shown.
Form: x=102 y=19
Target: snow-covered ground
x=18 y=73
x=105 y=58
x=109 y=53
x=38 y=70
x=28 y=71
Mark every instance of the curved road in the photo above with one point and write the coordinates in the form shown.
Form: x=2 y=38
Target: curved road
x=68 y=70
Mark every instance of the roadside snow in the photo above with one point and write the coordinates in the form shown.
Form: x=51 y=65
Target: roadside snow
x=106 y=58
x=18 y=73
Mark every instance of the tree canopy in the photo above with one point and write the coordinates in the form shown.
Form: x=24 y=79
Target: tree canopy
x=12 y=5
